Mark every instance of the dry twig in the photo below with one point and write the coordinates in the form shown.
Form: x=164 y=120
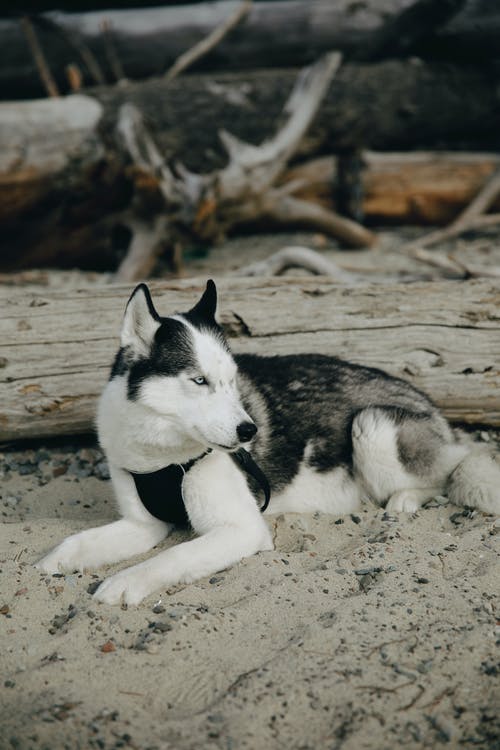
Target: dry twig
x=209 y=42
x=111 y=53
x=73 y=39
x=297 y=257
x=39 y=58
x=472 y=217
x=317 y=264
x=74 y=76
x=148 y=239
x=289 y=210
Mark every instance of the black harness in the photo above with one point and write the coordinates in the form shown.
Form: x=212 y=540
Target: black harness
x=161 y=491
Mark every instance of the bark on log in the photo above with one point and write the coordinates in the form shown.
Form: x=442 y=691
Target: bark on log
x=56 y=348
x=294 y=32
x=58 y=208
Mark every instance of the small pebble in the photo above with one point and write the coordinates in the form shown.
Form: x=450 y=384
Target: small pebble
x=161 y=627
x=388 y=518
x=108 y=647
x=101 y=470
x=367 y=571
x=441 y=500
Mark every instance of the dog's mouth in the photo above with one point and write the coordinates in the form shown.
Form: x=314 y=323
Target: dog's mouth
x=226 y=448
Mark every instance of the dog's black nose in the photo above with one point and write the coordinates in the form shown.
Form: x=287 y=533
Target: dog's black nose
x=246 y=431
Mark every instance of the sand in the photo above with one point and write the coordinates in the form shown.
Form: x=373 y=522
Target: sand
x=369 y=631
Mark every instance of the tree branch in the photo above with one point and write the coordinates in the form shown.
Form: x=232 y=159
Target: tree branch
x=298 y=257
x=288 y=210
x=472 y=217
x=147 y=242
x=39 y=58
x=209 y=42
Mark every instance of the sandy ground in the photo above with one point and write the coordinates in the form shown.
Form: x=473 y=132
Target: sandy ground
x=369 y=631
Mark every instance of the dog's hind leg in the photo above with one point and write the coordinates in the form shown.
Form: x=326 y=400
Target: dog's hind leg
x=138 y=532
x=333 y=491
x=410 y=500
x=402 y=457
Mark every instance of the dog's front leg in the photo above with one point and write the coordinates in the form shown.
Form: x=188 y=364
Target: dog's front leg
x=184 y=563
x=222 y=509
x=134 y=534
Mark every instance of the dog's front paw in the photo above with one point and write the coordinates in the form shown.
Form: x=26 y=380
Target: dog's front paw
x=130 y=587
x=65 y=558
x=403 y=501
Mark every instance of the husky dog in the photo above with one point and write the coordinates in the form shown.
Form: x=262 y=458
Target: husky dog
x=327 y=434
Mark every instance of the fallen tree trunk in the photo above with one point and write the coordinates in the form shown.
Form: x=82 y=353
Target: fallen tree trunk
x=276 y=34
x=403 y=188
x=56 y=348
x=61 y=187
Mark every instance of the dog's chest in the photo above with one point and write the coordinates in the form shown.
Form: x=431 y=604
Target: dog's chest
x=161 y=493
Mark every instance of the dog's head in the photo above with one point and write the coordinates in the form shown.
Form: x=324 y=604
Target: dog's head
x=181 y=368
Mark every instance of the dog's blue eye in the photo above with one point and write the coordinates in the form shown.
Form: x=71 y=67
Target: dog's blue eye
x=200 y=380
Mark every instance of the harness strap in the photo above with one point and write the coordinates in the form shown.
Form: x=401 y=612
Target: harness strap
x=154 y=486
x=244 y=460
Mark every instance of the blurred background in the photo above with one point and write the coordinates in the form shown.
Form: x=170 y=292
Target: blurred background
x=167 y=139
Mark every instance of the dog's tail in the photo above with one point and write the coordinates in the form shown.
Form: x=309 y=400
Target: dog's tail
x=476 y=481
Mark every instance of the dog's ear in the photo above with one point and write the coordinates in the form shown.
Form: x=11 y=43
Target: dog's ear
x=140 y=322
x=205 y=308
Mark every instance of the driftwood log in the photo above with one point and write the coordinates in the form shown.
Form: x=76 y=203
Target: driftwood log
x=56 y=348
x=204 y=208
x=63 y=184
x=418 y=187
x=290 y=32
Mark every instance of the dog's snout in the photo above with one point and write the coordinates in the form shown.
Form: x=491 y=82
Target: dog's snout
x=246 y=431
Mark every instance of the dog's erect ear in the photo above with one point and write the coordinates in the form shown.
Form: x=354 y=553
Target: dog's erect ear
x=140 y=322
x=207 y=305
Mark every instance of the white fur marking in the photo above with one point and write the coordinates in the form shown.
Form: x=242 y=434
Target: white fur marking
x=330 y=492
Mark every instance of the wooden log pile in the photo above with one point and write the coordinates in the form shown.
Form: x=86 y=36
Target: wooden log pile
x=64 y=183
x=289 y=33
x=75 y=192
x=56 y=349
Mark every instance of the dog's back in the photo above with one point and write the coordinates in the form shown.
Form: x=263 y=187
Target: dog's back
x=318 y=413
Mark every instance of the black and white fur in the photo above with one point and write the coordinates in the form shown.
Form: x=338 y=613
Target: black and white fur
x=330 y=434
